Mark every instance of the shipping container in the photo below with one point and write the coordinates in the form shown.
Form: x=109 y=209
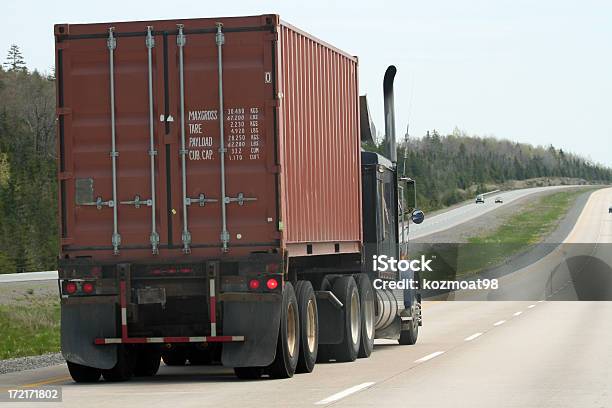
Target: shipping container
x=288 y=104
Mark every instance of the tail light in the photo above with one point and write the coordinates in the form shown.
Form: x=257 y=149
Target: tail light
x=88 y=288
x=70 y=288
x=272 y=283
x=185 y=270
x=253 y=284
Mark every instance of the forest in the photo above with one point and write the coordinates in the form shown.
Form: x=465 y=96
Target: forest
x=448 y=168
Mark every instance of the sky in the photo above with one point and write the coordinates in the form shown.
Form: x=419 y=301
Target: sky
x=538 y=72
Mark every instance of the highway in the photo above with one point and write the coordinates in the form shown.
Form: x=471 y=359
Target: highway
x=536 y=353
x=471 y=210
x=28 y=276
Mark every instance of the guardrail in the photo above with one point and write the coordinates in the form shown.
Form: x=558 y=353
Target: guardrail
x=490 y=192
x=28 y=276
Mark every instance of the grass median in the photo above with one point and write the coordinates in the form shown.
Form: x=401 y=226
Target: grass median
x=530 y=226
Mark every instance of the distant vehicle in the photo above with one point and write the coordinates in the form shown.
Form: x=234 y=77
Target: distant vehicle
x=498 y=200
x=480 y=199
x=610 y=210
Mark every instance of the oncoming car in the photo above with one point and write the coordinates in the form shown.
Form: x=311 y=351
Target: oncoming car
x=480 y=199
x=498 y=200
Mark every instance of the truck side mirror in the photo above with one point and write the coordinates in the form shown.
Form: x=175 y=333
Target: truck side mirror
x=417 y=216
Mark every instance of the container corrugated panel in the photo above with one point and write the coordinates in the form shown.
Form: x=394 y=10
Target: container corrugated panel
x=320 y=134
x=290 y=103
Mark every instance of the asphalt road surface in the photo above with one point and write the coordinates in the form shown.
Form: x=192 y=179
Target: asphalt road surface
x=540 y=353
x=459 y=215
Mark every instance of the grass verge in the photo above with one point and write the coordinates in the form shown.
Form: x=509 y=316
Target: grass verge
x=29 y=328
x=519 y=232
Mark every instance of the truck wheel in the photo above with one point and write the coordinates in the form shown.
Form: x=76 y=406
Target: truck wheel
x=174 y=357
x=409 y=336
x=124 y=369
x=309 y=327
x=248 y=373
x=83 y=374
x=148 y=359
x=346 y=291
x=288 y=345
x=366 y=297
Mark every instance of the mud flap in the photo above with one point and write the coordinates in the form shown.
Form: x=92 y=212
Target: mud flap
x=259 y=323
x=81 y=324
x=331 y=319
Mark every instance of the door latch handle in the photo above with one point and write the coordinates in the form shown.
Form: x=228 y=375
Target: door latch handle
x=201 y=200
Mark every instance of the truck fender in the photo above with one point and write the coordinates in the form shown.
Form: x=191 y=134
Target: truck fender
x=81 y=324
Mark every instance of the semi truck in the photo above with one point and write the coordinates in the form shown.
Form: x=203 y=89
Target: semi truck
x=215 y=204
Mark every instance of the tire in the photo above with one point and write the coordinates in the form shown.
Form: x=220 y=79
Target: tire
x=367 y=308
x=346 y=291
x=409 y=336
x=148 y=359
x=288 y=344
x=309 y=327
x=248 y=373
x=174 y=357
x=83 y=374
x=124 y=369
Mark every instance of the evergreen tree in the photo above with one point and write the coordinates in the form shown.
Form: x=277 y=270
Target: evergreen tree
x=14 y=59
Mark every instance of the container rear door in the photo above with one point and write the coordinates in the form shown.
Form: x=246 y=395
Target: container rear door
x=248 y=171
x=85 y=130
x=85 y=147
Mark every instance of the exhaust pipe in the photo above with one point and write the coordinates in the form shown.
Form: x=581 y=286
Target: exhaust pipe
x=390 y=149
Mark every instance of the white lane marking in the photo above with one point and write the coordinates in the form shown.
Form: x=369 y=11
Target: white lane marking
x=517 y=314
x=530 y=306
x=473 y=336
x=540 y=301
x=343 y=394
x=428 y=357
x=499 y=323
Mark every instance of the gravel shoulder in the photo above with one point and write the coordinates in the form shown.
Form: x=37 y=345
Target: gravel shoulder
x=12 y=365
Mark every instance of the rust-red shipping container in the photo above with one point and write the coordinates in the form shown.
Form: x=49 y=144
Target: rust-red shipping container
x=154 y=97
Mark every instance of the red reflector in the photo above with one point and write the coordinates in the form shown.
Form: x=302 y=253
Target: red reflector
x=186 y=270
x=88 y=287
x=71 y=288
x=253 y=284
x=272 y=284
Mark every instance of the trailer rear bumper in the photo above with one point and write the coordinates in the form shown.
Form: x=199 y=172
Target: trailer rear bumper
x=156 y=340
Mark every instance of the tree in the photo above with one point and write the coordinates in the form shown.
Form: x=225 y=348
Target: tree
x=14 y=60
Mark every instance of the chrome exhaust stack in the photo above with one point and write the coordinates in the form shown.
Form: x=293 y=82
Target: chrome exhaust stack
x=390 y=144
